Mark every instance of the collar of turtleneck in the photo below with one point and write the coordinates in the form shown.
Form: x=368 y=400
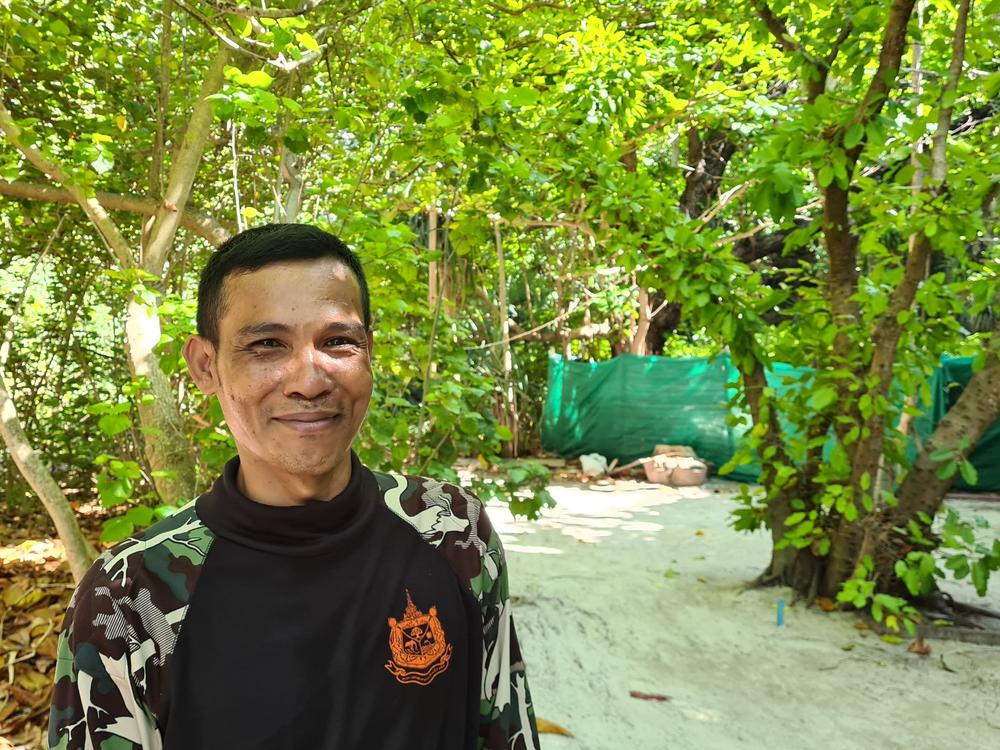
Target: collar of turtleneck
x=314 y=528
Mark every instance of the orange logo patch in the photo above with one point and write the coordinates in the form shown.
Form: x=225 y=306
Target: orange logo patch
x=419 y=650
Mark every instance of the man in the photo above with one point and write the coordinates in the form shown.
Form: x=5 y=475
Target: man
x=305 y=601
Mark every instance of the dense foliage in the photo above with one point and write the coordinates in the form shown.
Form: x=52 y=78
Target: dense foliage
x=791 y=182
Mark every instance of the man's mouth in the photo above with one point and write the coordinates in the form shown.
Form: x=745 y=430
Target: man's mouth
x=309 y=422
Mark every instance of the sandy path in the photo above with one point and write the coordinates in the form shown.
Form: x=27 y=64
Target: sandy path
x=618 y=591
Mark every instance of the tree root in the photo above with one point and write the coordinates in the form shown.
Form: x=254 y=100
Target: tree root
x=942 y=606
x=964 y=635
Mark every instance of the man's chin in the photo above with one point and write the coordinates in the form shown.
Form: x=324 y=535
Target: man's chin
x=319 y=465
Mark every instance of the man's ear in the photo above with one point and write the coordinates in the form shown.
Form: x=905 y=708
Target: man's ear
x=199 y=353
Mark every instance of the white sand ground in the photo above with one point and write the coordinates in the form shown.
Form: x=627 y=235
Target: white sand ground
x=618 y=591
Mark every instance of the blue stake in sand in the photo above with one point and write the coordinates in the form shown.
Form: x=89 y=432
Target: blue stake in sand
x=781 y=613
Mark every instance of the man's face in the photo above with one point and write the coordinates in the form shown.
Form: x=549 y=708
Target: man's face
x=292 y=370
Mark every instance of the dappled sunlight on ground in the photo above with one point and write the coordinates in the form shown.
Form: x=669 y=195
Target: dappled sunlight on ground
x=45 y=553
x=589 y=513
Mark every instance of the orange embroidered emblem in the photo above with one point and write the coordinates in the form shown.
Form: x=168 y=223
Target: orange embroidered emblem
x=419 y=650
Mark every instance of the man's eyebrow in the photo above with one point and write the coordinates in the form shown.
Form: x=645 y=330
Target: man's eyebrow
x=259 y=329
x=263 y=329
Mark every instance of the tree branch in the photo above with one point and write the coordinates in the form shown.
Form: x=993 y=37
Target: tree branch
x=776 y=26
x=843 y=36
x=893 y=43
x=530 y=6
x=248 y=12
x=228 y=42
x=184 y=168
x=162 y=100
x=887 y=332
x=93 y=208
x=194 y=221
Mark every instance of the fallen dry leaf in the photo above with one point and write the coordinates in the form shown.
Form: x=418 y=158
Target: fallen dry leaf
x=861 y=626
x=827 y=605
x=550 y=727
x=24 y=697
x=49 y=646
x=919 y=647
x=649 y=696
x=699 y=532
x=33 y=680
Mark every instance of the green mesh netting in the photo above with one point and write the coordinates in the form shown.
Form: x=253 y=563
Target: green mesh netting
x=624 y=407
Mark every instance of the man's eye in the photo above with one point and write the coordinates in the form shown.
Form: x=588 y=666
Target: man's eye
x=267 y=343
x=339 y=341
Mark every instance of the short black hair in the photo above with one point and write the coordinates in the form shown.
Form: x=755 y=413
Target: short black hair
x=262 y=246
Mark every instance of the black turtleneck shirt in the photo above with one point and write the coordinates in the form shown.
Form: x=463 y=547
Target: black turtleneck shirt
x=327 y=625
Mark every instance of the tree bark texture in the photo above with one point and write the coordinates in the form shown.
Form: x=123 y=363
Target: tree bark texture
x=708 y=157
x=507 y=361
x=976 y=410
x=165 y=444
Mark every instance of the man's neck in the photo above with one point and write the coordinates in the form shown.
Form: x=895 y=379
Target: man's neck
x=281 y=489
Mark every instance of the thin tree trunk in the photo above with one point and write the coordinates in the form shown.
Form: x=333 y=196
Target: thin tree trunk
x=509 y=397
x=642 y=328
x=79 y=552
x=433 y=267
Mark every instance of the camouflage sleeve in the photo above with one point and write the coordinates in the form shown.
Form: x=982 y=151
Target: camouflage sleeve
x=94 y=702
x=507 y=717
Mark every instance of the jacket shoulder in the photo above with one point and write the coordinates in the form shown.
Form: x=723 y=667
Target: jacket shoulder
x=161 y=552
x=451 y=519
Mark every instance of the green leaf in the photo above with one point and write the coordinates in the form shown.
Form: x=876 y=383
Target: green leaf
x=140 y=515
x=116 y=529
x=307 y=41
x=980 y=576
x=258 y=79
x=947 y=471
x=112 y=424
x=521 y=96
x=822 y=398
x=113 y=490
x=854 y=135
x=969 y=473
x=504 y=433
x=825 y=176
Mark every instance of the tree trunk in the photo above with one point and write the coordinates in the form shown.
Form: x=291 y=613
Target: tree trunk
x=642 y=328
x=922 y=491
x=79 y=552
x=509 y=397
x=433 y=265
x=164 y=443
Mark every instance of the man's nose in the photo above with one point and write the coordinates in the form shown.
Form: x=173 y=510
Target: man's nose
x=307 y=376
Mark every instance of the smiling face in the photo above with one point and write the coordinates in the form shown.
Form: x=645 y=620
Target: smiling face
x=292 y=371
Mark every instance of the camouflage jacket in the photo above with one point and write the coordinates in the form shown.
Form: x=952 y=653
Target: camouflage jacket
x=122 y=627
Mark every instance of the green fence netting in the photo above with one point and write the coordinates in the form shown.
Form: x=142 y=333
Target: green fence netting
x=624 y=407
